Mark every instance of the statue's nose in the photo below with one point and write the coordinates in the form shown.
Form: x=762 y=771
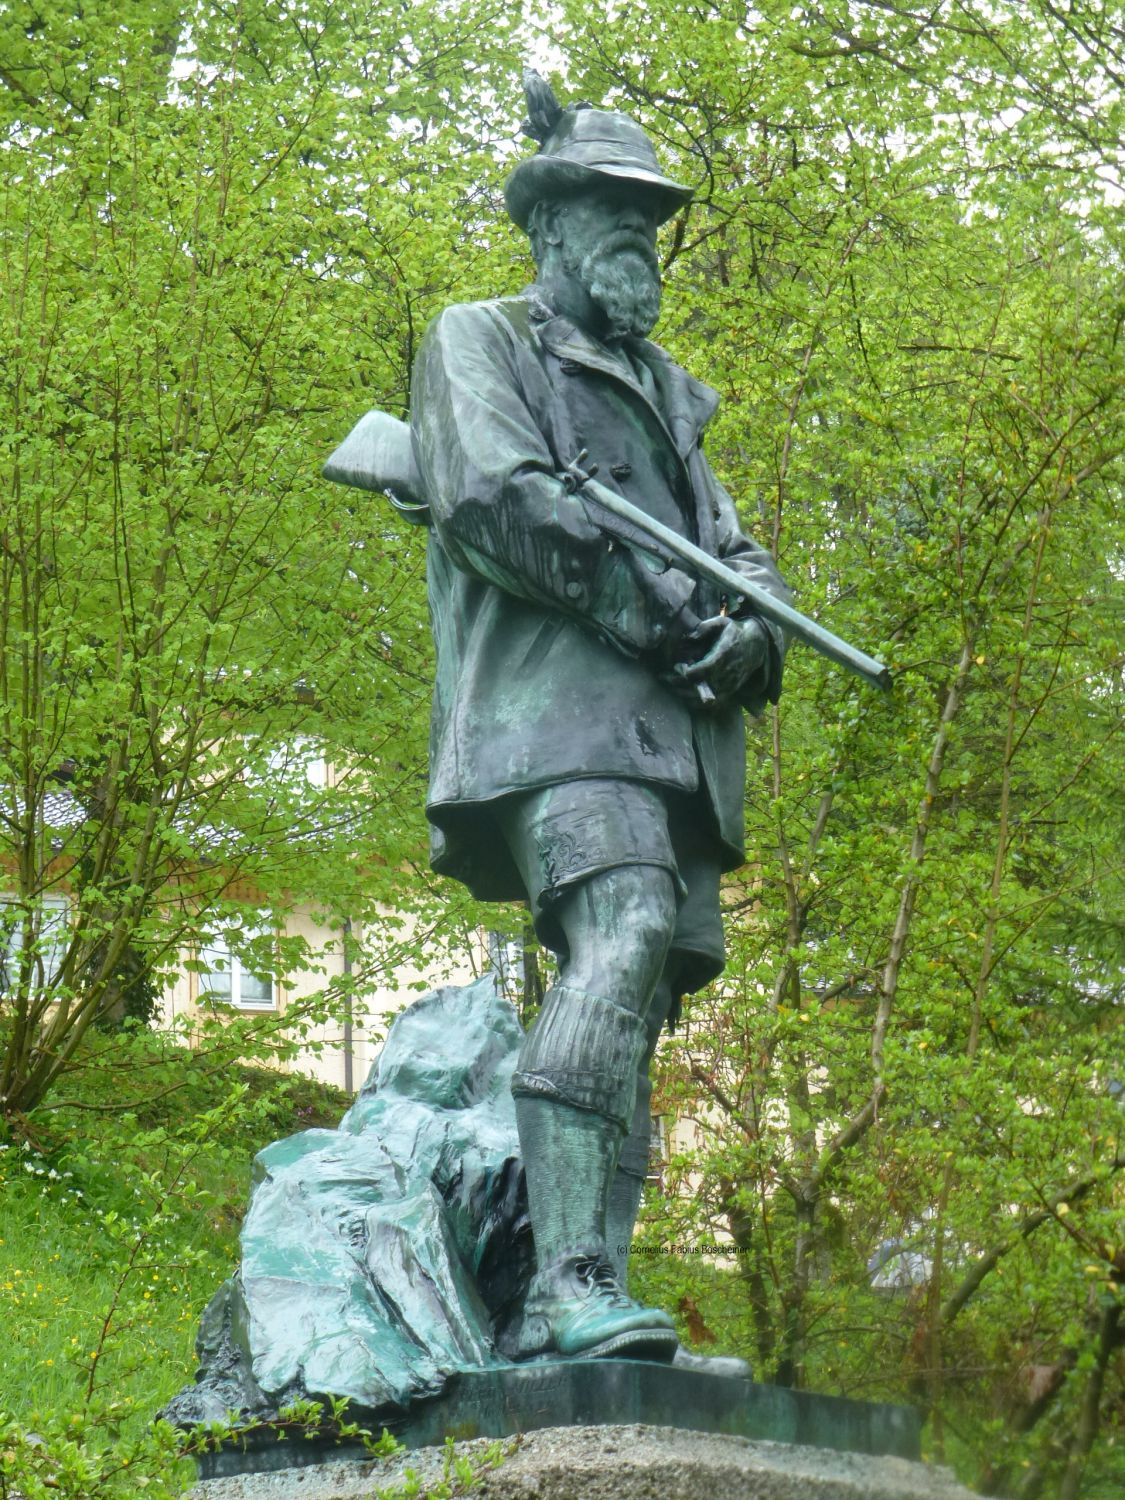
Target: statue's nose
x=632 y=216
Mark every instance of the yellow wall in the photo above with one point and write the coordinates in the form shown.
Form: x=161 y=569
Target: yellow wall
x=380 y=1001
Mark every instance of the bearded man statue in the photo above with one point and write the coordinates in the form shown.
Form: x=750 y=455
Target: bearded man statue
x=587 y=748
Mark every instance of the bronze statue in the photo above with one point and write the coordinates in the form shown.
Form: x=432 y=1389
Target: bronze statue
x=598 y=640
x=587 y=747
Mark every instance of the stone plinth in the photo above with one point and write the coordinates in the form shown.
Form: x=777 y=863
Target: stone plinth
x=586 y=1393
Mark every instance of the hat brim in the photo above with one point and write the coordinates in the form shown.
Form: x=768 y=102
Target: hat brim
x=549 y=177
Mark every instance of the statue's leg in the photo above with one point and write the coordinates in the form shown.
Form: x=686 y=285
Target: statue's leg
x=575 y=1087
x=632 y=1164
x=628 y=1185
x=696 y=956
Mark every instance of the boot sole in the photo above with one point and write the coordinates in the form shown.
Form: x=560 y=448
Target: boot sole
x=537 y=1341
x=657 y=1344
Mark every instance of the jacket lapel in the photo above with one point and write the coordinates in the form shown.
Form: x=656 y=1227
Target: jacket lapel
x=688 y=404
x=566 y=340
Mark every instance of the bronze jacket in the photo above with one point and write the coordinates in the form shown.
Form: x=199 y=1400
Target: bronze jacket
x=551 y=625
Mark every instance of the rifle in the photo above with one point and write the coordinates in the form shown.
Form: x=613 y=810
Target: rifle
x=378 y=455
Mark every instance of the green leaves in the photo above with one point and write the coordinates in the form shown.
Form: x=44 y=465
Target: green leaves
x=224 y=231
x=215 y=257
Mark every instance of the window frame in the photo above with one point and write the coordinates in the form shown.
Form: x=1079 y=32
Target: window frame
x=54 y=938
x=219 y=944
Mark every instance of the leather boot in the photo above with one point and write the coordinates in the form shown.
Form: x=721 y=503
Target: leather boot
x=577 y=1306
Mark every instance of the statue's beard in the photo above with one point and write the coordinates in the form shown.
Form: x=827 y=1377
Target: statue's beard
x=622 y=278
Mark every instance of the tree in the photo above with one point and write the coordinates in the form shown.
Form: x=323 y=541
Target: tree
x=224 y=228
x=903 y=276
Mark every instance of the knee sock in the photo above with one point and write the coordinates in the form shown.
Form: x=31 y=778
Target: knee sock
x=627 y=1187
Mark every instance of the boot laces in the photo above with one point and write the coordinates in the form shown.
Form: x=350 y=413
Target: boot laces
x=600 y=1276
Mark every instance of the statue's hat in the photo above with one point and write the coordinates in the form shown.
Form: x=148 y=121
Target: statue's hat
x=579 y=145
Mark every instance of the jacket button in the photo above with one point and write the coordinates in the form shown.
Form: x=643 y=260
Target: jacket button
x=574 y=590
x=570 y=367
x=621 y=471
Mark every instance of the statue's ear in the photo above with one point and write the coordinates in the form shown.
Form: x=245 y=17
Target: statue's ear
x=543 y=109
x=545 y=217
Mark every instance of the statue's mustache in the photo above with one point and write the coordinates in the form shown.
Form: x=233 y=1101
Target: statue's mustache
x=621 y=241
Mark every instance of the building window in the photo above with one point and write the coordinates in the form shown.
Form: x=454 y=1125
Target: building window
x=228 y=981
x=51 y=938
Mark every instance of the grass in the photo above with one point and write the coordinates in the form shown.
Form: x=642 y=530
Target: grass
x=115 y=1231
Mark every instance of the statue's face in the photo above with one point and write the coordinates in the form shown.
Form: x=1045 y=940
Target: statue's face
x=607 y=240
x=590 y=219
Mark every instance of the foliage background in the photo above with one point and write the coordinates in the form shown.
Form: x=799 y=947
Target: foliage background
x=224 y=229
